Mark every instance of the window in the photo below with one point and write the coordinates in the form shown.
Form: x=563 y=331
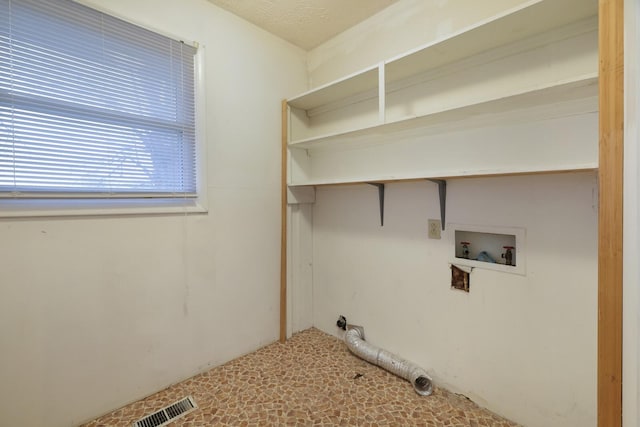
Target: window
x=92 y=107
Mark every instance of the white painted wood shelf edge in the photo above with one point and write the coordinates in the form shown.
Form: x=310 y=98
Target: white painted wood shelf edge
x=585 y=167
x=344 y=88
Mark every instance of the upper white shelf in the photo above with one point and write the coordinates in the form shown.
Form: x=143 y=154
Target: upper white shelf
x=581 y=88
x=346 y=87
x=529 y=19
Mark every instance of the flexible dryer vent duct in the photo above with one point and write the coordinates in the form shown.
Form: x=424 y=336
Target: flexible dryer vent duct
x=354 y=338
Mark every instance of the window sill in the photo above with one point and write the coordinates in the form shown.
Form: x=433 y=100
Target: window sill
x=14 y=208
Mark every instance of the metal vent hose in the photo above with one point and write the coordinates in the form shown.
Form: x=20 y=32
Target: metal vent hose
x=354 y=338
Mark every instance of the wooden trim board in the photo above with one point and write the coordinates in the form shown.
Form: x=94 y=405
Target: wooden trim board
x=610 y=227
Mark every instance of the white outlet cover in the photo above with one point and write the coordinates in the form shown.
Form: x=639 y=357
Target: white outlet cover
x=435 y=226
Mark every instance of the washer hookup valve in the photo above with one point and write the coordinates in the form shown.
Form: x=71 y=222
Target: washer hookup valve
x=465 y=249
x=508 y=255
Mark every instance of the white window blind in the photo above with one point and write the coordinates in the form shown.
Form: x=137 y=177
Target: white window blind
x=92 y=106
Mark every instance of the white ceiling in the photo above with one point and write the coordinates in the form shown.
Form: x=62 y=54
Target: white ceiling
x=305 y=23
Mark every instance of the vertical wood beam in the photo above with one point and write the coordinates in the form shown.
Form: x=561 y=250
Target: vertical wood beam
x=283 y=231
x=610 y=231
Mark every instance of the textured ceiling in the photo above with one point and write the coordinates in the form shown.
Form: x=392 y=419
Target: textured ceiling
x=305 y=23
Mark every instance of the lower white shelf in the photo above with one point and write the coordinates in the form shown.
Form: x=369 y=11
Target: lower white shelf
x=512 y=146
x=587 y=167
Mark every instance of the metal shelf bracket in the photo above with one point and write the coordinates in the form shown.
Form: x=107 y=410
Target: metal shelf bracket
x=442 y=192
x=381 y=199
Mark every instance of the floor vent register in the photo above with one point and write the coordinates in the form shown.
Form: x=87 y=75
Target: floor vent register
x=166 y=415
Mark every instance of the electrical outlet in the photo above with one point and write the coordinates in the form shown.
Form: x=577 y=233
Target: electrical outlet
x=434 y=228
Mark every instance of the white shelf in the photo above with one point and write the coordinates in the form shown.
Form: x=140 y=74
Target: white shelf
x=532 y=18
x=585 y=167
x=347 y=87
x=522 y=142
x=583 y=87
x=514 y=94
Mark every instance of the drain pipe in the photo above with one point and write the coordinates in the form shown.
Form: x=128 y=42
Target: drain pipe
x=354 y=338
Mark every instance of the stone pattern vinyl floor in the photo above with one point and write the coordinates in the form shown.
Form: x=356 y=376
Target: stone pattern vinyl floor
x=311 y=380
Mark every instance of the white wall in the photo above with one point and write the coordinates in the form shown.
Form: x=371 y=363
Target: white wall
x=523 y=346
x=97 y=312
